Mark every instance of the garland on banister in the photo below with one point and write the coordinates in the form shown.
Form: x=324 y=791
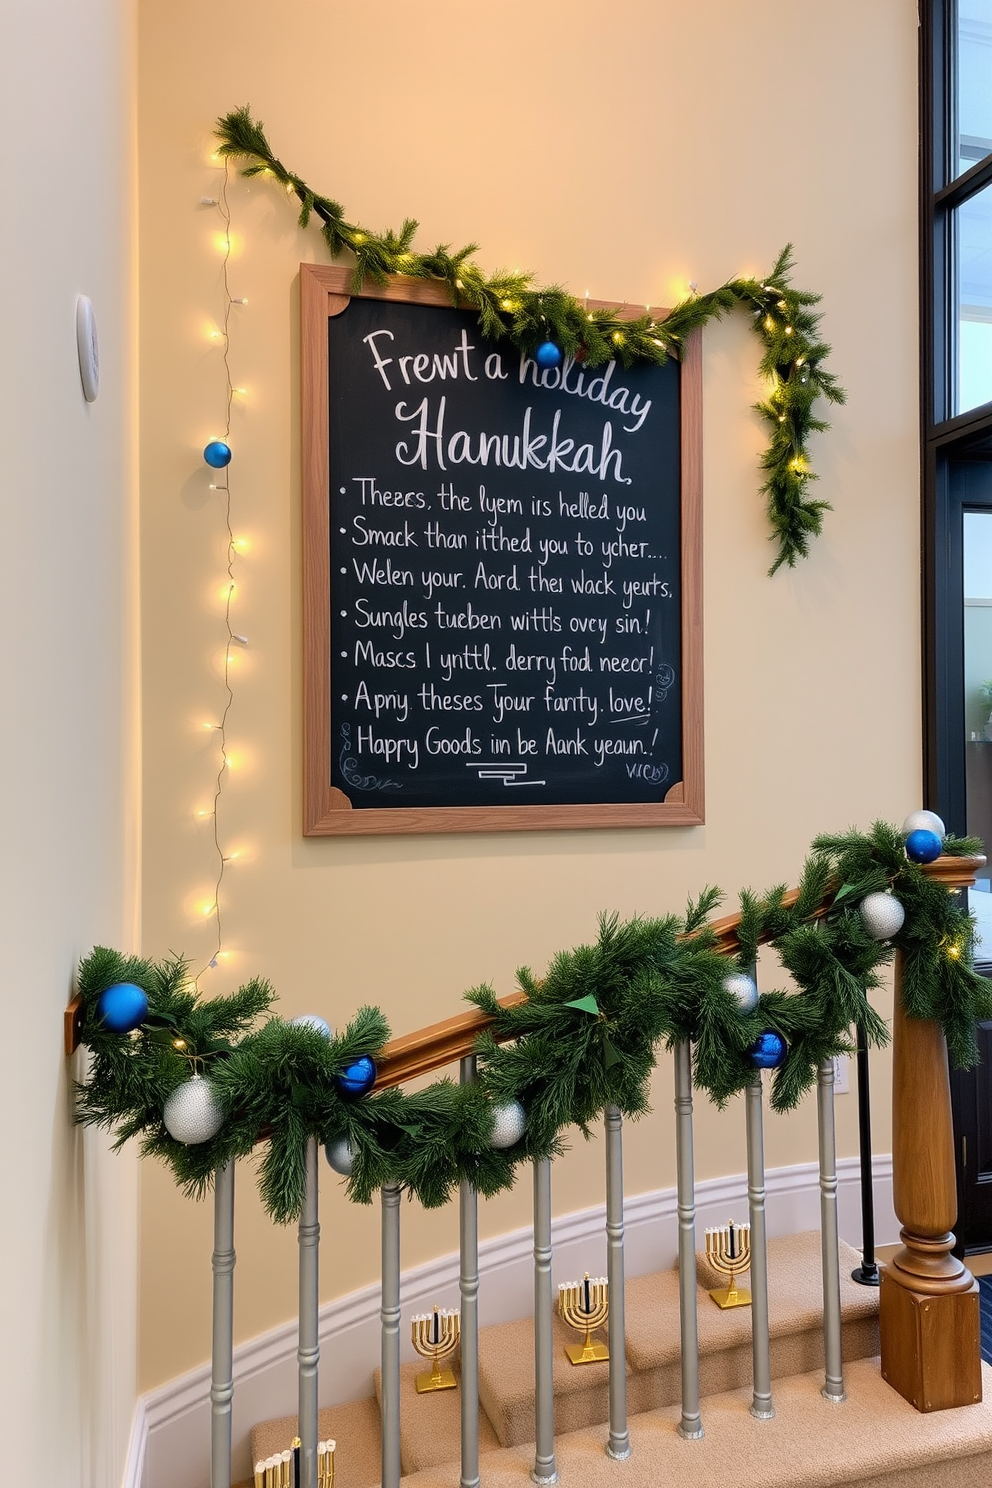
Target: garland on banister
x=511 y=305
x=201 y=1082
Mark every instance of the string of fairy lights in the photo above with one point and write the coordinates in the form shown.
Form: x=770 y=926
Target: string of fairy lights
x=217 y=455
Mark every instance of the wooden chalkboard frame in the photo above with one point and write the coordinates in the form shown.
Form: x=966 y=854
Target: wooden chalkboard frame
x=325 y=292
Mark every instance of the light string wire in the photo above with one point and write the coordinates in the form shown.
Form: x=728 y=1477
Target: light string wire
x=223 y=858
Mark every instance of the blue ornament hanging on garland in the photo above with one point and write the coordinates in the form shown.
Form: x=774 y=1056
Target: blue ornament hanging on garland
x=217 y=454
x=548 y=355
x=356 y=1078
x=923 y=846
x=769 y=1050
x=122 y=1007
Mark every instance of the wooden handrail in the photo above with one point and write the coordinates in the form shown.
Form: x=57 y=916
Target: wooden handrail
x=443 y=1043
x=433 y=1047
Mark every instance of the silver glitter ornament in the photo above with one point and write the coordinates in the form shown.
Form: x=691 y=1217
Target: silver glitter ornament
x=340 y=1155
x=192 y=1113
x=315 y=1021
x=742 y=987
x=509 y=1124
x=882 y=915
x=924 y=821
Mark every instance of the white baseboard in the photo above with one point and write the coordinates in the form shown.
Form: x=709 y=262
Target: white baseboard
x=170 y=1442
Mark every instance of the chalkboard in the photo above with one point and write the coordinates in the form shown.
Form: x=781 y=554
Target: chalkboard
x=501 y=576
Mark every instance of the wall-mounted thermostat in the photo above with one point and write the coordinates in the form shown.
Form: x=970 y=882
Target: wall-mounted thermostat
x=87 y=348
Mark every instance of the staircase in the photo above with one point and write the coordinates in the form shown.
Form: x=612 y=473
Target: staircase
x=875 y=1438
x=918 y=1416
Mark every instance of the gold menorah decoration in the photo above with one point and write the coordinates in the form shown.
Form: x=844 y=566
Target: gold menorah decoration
x=585 y=1305
x=275 y=1471
x=325 y=1463
x=728 y=1250
x=435 y=1335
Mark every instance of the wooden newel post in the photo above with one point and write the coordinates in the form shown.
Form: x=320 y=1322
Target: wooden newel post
x=929 y=1299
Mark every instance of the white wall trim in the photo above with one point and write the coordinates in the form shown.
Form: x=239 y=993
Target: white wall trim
x=170 y=1436
x=134 y=1466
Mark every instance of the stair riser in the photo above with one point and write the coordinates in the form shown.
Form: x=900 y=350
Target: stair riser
x=732 y=1368
x=729 y=1369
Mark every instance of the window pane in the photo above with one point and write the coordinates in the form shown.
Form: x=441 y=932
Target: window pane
x=973 y=239
x=974 y=82
x=978 y=706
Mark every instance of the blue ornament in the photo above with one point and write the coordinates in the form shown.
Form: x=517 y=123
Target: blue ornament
x=217 y=454
x=357 y=1078
x=769 y=1050
x=122 y=1007
x=923 y=846
x=548 y=355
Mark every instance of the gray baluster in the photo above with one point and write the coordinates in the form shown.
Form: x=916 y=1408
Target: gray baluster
x=619 y=1443
x=545 y=1469
x=761 y=1401
x=468 y=1285
x=222 y=1354
x=833 y=1388
x=308 y=1352
x=691 y=1425
x=390 y=1316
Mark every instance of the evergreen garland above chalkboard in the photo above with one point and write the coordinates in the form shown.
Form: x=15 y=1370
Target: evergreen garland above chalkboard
x=586 y=1037
x=510 y=305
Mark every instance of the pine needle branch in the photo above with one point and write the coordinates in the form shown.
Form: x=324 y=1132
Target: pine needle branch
x=516 y=308
x=586 y=1037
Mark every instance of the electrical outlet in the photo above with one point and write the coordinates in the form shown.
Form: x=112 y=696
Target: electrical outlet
x=842 y=1084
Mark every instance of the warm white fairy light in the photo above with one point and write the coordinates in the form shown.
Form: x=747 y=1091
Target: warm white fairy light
x=234 y=642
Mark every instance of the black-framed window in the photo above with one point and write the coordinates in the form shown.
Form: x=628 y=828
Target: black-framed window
x=956 y=401
x=956 y=420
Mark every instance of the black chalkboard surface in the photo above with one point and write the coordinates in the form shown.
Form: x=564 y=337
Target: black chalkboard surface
x=497 y=571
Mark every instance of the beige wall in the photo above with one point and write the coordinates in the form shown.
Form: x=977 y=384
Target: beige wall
x=68 y=771
x=627 y=150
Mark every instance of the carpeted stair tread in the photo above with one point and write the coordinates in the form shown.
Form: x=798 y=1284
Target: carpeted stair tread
x=356 y=1429
x=875 y=1440
x=430 y=1424
x=795 y=1303
x=506 y=1380
x=506 y=1351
